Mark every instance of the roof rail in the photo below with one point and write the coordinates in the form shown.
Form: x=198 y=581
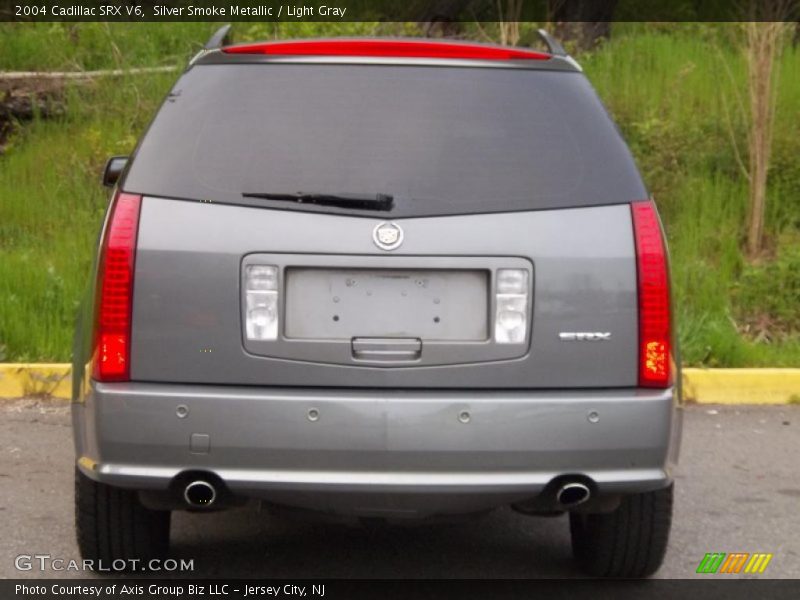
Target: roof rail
x=220 y=38
x=553 y=46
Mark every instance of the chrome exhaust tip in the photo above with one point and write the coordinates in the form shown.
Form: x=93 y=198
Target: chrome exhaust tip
x=200 y=494
x=573 y=494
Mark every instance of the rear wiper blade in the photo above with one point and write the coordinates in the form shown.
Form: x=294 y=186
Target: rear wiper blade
x=361 y=201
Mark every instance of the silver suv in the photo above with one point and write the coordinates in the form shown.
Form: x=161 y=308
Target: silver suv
x=381 y=278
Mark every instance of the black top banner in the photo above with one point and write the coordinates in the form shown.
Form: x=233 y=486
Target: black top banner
x=421 y=11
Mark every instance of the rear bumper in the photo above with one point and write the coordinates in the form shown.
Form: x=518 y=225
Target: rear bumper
x=363 y=451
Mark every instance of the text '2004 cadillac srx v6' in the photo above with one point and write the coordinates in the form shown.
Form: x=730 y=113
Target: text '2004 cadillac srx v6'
x=379 y=278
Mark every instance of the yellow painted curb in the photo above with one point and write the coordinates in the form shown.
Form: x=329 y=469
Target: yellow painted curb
x=704 y=386
x=39 y=379
x=741 y=386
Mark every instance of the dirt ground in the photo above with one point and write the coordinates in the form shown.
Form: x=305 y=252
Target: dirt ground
x=21 y=99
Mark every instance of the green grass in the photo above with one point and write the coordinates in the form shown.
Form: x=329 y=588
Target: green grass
x=51 y=207
x=675 y=91
x=666 y=85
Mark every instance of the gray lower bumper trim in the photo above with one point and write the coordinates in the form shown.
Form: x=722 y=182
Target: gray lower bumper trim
x=298 y=445
x=631 y=480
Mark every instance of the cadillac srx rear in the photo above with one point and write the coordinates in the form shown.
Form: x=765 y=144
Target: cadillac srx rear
x=387 y=279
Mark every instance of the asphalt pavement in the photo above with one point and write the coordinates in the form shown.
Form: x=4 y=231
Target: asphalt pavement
x=738 y=490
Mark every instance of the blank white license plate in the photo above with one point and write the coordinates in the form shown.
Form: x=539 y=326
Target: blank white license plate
x=340 y=304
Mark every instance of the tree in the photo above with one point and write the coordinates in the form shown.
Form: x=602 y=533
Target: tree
x=509 y=21
x=764 y=42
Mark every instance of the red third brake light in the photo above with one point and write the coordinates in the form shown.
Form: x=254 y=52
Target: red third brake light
x=655 y=368
x=387 y=48
x=115 y=290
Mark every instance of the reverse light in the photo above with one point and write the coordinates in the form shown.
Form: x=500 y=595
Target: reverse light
x=261 y=302
x=115 y=290
x=387 y=48
x=511 y=306
x=655 y=353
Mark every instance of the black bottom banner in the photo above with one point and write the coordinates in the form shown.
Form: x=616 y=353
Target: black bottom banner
x=238 y=589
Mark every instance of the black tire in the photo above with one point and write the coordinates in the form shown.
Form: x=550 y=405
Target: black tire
x=111 y=524
x=628 y=542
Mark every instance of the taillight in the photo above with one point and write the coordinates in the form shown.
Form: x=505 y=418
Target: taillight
x=655 y=353
x=115 y=290
x=388 y=48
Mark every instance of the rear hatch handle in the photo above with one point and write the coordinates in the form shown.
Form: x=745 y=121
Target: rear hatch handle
x=386 y=349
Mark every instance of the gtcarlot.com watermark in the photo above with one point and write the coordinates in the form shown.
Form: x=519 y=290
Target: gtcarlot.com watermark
x=47 y=562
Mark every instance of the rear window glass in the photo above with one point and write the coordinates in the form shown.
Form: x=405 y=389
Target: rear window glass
x=441 y=140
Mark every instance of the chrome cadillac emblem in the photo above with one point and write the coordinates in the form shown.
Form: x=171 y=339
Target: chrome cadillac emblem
x=387 y=236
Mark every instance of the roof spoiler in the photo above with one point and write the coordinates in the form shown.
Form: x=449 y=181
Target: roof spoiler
x=222 y=37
